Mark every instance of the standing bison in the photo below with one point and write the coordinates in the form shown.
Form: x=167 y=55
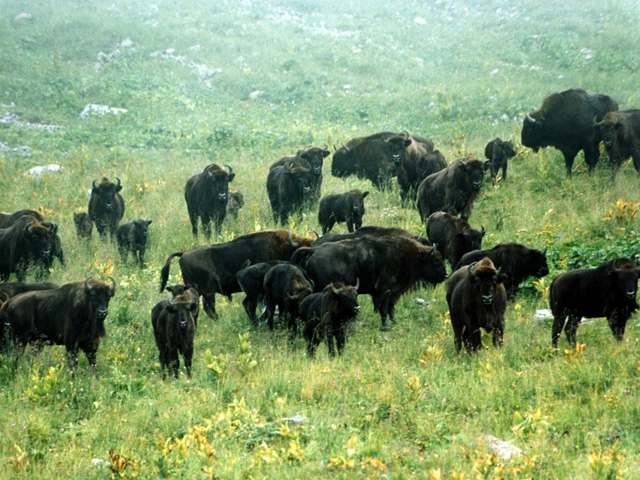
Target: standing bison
x=212 y=269
x=251 y=281
x=84 y=226
x=72 y=315
x=476 y=299
x=498 y=152
x=452 y=190
x=565 y=121
x=346 y=207
x=311 y=158
x=8 y=219
x=206 y=195
x=27 y=242
x=452 y=236
x=606 y=291
x=290 y=188
x=620 y=133
x=174 y=326
x=235 y=203
x=106 y=207
x=407 y=151
x=132 y=238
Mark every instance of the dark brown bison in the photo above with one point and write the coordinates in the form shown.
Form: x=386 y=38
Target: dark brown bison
x=174 y=328
x=132 y=238
x=311 y=158
x=11 y=289
x=498 y=152
x=327 y=315
x=235 y=203
x=605 y=291
x=285 y=286
x=428 y=164
x=407 y=150
x=212 y=269
x=290 y=189
x=179 y=289
x=8 y=219
x=251 y=281
x=516 y=261
x=372 y=231
x=386 y=266
x=27 y=242
x=106 y=207
x=476 y=299
x=565 y=121
x=72 y=315
x=369 y=157
x=342 y=207
x=452 y=236
x=452 y=190
x=620 y=133
x=206 y=195
x=84 y=226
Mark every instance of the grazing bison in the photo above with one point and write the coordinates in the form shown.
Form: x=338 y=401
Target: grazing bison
x=72 y=315
x=290 y=187
x=346 y=207
x=620 y=133
x=212 y=269
x=235 y=203
x=476 y=299
x=11 y=289
x=206 y=195
x=174 y=324
x=251 y=281
x=106 y=207
x=452 y=236
x=407 y=152
x=386 y=266
x=516 y=261
x=327 y=315
x=8 y=219
x=311 y=158
x=285 y=286
x=498 y=152
x=369 y=157
x=373 y=231
x=452 y=190
x=84 y=226
x=605 y=291
x=25 y=243
x=565 y=121
x=132 y=238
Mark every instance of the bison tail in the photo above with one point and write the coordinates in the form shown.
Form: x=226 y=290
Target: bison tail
x=164 y=273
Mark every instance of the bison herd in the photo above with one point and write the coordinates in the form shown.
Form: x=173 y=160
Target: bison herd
x=312 y=285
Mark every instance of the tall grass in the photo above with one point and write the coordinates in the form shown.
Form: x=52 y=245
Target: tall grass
x=399 y=403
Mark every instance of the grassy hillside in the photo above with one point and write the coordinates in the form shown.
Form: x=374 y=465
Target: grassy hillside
x=243 y=83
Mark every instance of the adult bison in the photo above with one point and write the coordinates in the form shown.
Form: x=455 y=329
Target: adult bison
x=345 y=207
x=372 y=231
x=605 y=291
x=311 y=158
x=620 y=133
x=452 y=236
x=212 y=269
x=369 y=157
x=386 y=266
x=516 y=261
x=206 y=195
x=72 y=315
x=106 y=207
x=27 y=242
x=290 y=188
x=452 y=190
x=565 y=121
x=8 y=219
x=174 y=324
x=498 y=152
x=327 y=315
x=11 y=289
x=476 y=299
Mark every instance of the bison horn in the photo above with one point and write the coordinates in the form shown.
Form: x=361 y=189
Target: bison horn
x=229 y=168
x=333 y=288
x=86 y=283
x=544 y=252
x=94 y=184
x=118 y=184
x=345 y=147
x=291 y=242
x=357 y=283
x=530 y=118
x=595 y=120
x=113 y=285
x=471 y=274
x=406 y=134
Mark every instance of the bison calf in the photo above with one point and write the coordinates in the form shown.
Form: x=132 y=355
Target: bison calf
x=326 y=315
x=84 y=226
x=606 y=291
x=132 y=238
x=346 y=207
x=235 y=203
x=174 y=327
x=476 y=299
x=251 y=281
x=498 y=152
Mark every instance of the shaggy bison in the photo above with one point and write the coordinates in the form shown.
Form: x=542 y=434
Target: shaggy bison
x=251 y=281
x=25 y=243
x=106 y=207
x=235 y=203
x=605 y=291
x=290 y=188
x=132 y=238
x=498 y=152
x=84 y=226
x=346 y=207
x=620 y=133
x=452 y=236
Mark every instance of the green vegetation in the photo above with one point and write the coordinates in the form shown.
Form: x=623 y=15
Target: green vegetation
x=243 y=83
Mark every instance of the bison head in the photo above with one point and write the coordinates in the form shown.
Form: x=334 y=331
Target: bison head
x=315 y=156
x=625 y=276
x=344 y=162
x=218 y=180
x=607 y=128
x=397 y=144
x=40 y=238
x=344 y=298
x=432 y=266
x=486 y=280
x=142 y=227
x=183 y=307
x=471 y=239
x=474 y=171
x=99 y=295
x=300 y=178
x=531 y=135
x=106 y=191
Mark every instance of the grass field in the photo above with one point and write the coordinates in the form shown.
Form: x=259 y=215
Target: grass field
x=244 y=83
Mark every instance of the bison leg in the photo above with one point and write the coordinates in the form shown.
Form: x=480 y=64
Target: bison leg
x=209 y=305
x=313 y=337
x=556 y=329
x=174 y=361
x=329 y=335
x=457 y=332
x=141 y=253
x=571 y=328
x=569 y=157
x=498 y=334
x=341 y=338
x=472 y=340
x=206 y=226
x=187 y=356
x=164 y=364
x=383 y=308
x=250 y=304
x=618 y=325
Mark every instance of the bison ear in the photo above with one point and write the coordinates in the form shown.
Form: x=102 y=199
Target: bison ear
x=502 y=277
x=326 y=152
x=149 y=222
x=487 y=165
x=364 y=194
x=617 y=125
x=407 y=142
x=232 y=176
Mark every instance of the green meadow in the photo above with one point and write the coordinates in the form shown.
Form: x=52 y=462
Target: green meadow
x=243 y=83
